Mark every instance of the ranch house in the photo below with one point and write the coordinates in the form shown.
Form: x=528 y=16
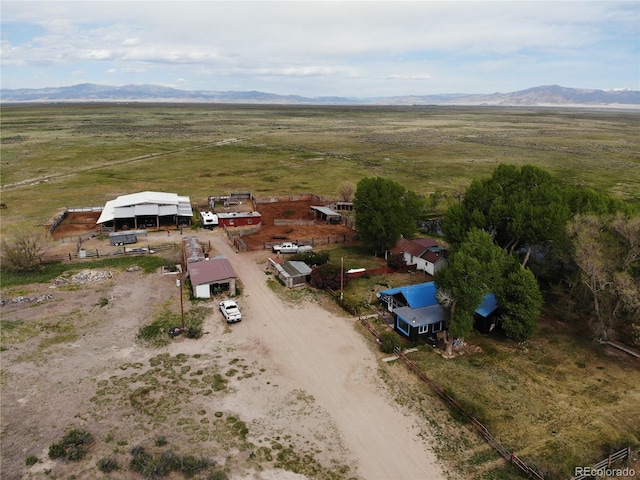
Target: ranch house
x=417 y=314
x=425 y=253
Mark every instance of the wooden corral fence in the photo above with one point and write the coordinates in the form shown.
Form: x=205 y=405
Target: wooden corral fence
x=507 y=454
x=623 y=454
x=279 y=222
x=328 y=240
x=292 y=198
x=235 y=237
x=92 y=253
x=59 y=218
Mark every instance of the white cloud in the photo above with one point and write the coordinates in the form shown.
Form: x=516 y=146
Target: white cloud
x=347 y=42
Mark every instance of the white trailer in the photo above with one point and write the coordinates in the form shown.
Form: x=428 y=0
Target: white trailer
x=209 y=220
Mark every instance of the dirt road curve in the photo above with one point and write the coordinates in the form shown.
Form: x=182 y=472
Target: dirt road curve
x=314 y=382
x=321 y=354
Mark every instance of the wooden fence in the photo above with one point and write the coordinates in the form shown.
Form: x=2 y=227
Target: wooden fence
x=491 y=440
x=328 y=240
x=623 y=454
x=292 y=198
x=123 y=251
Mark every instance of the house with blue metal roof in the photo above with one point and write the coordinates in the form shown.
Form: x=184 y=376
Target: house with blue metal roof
x=417 y=314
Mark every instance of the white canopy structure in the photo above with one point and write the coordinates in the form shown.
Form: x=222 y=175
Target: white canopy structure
x=146 y=209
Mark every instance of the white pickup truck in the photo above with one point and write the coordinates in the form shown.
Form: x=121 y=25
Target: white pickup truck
x=290 y=247
x=230 y=310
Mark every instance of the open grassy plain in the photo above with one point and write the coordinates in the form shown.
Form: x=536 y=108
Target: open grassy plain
x=55 y=156
x=559 y=401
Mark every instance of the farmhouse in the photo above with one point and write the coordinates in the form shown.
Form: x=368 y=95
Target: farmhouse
x=145 y=209
x=417 y=313
x=239 y=219
x=425 y=253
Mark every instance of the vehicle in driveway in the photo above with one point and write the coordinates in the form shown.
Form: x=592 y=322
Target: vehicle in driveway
x=230 y=311
x=290 y=247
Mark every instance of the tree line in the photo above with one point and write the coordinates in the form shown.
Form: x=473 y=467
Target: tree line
x=512 y=233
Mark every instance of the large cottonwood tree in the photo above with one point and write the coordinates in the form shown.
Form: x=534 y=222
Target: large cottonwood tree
x=607 y=252
x=385 y=211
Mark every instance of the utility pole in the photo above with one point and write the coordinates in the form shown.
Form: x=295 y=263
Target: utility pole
x=341 y=278
x=179 y=285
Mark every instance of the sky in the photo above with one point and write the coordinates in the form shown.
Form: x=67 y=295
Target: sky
x=322 y=48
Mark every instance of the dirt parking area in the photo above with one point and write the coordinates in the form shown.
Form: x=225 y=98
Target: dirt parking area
x=294 y=210
x=292 y=392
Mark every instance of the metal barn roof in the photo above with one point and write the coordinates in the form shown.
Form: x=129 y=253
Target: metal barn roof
x=146 y=204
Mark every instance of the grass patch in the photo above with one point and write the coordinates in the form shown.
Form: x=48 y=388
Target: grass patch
x=542 y=403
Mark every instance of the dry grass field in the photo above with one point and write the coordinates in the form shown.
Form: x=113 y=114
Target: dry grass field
x=561 y=400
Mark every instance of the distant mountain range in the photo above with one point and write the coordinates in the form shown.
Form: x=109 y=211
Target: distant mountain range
x=551 y=95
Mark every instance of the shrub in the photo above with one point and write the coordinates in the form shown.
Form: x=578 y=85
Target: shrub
x=389 y=341
x=218 y=475
x=190 y=465
x=31 y=460
x=396 y=260
x=161 y=441
x=72 y=446
x=108 y=464
x=56 y=451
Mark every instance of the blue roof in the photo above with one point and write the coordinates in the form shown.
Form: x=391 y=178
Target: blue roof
x=488 y=305
x=424 y=295
x=417 y=296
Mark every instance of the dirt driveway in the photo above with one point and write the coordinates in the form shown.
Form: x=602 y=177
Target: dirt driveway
x=310 y=382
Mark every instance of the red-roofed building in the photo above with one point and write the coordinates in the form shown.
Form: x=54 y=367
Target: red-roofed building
x=425 y=253
x=211 y=276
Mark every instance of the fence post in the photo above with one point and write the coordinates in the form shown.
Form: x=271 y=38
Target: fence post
x=69 y=257
x=97 y=253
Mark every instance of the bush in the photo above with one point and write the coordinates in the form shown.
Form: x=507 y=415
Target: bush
x=389 y=341
x=396 y=260
x=56 y=451
x=31 y=460
x=190 y=465
x=108 y=464
x=218 y=475
x=72 y=446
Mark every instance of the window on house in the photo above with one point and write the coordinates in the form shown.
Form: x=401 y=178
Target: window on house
x=403 y=326
x=437 y=327
x=423 y=329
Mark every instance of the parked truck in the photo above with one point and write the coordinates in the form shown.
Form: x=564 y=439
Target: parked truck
x=290 y=247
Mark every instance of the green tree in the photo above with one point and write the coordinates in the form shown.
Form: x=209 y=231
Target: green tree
x=478 y=267
x=516 y=205
x=385 y=210
x=521 y=302
x=474 y=269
